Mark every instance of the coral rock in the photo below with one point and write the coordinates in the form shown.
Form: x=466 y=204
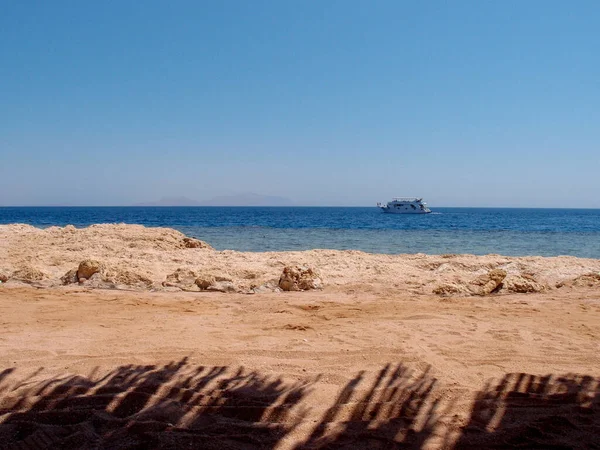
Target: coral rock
x=69 y=277
x=490 y=282
x=181 y=278
x=88 y=268
x=28 y=274
x=449 y=289
x=522 y=284
x=585 y=280
x=205 y=281
x=299 y=279
x=127 y=278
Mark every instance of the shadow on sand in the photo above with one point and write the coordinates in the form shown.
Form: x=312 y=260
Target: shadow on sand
x=398 y=409
x=173 y=406
x=183 y=406
x=528 y=411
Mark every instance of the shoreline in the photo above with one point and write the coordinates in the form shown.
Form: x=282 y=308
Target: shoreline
x=253 y=232
x=460 y=231
x=163 y=259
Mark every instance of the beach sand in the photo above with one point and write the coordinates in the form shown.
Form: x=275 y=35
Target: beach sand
x=374 y=359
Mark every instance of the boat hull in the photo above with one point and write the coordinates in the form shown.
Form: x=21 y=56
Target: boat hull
x=393 y=211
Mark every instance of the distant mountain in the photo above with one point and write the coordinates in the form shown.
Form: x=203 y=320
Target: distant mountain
x=247 y=199
x=171 y=201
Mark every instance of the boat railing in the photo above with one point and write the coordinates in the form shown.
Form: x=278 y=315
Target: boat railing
x=406 y=199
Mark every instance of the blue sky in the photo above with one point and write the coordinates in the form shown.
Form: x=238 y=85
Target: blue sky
x=478 y=103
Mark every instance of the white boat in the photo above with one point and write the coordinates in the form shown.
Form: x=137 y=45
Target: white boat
x=405 y=205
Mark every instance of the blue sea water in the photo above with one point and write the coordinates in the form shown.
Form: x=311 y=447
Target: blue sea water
x=506 y=231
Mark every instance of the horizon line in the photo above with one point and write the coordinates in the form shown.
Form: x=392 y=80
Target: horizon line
x=279 y=206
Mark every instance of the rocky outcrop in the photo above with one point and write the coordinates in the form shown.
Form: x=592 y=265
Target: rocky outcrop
x=524 y=284
x=217 y=283
x=126 y=278
x=489 y=282
x=495 y=280
x=86 y=270
x=174 y=261
x=485 y=284
x=299 y=279
x=585 y=280
x=28 y=274
x=205 y=281
x=69 y=277
x=95 y=274
x=181 y=278
x=449 y=289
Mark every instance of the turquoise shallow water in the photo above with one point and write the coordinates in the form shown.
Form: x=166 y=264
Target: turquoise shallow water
x=507 y=231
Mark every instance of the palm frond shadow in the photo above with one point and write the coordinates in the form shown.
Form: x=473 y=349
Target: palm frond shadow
x=529 y=411
x=398 y=409
x=181 y=405
x=170 y=406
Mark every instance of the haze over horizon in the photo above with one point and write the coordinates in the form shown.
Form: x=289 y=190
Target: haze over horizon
x=324 y=103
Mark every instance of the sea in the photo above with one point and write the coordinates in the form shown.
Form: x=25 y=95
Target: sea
x=479 y=231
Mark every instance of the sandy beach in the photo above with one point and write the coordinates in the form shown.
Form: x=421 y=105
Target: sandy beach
x=167 y=343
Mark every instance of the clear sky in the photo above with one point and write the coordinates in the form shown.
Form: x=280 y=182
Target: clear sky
x=479 y=103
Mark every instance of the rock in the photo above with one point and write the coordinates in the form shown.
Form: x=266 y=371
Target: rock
x=205 y=281
x=98 y=276
x=88 y=268
x=299 y=279
x=483 y=285
x=3 y=277
x=497 y=275
x=69 y=277
x=97 y=281
x=490 y=282
x=28 y=274
x=585 y=280
x=522 y=284
x=181 y=278
x=195 y=243
x=127 y=278
x=449 y=289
